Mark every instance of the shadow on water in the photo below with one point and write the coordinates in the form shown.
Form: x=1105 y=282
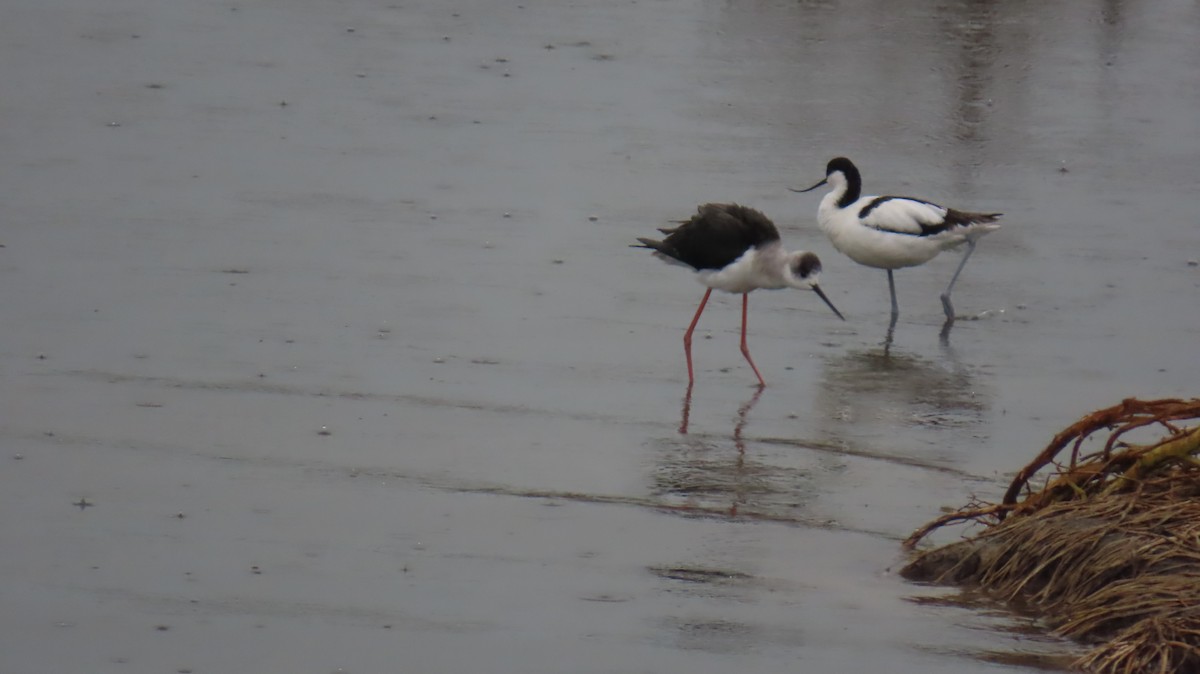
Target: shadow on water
x=865 y=396
x=970 y=51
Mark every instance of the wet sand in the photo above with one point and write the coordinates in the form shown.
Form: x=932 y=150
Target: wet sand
x=323 y=349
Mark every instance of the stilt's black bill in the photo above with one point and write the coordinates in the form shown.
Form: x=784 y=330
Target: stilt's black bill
x=809 y=190
x=820 y=293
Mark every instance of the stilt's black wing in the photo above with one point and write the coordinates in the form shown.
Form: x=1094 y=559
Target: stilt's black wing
x=716 y=236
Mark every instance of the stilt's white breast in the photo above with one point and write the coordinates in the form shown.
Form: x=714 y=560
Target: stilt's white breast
x=754 y=269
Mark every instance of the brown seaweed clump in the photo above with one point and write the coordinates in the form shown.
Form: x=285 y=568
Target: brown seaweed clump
x=1107 y=550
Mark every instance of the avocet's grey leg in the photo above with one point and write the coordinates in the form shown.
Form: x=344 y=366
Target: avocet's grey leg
x=946 y=295
x=892 y=290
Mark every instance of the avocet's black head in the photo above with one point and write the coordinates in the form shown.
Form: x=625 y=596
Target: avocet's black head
x=842 y=175
x=836 y=165
x=806 y=267
x=842 y=164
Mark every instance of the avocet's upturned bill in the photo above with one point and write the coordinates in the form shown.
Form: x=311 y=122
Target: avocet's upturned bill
x=894 y=232
x=737 y=250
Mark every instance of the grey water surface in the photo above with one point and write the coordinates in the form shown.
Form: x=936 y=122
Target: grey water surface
x=323 y=349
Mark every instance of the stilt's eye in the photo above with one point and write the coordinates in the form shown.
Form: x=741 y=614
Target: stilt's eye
x=807 y=265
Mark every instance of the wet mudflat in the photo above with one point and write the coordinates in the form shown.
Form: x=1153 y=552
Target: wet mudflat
x=322 y=317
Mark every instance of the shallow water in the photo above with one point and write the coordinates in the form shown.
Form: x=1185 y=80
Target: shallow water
x=324 y=316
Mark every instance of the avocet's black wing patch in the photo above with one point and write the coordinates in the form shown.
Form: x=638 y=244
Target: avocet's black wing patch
x=905 y=215
x=956 y=218
x=916 y=217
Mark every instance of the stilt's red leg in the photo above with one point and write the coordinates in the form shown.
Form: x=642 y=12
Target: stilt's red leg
x=687 y=336
x=746 y=349
x=686 y=411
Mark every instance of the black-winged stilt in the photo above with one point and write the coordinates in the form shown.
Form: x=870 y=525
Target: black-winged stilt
x=735 y=249
x=894 y=232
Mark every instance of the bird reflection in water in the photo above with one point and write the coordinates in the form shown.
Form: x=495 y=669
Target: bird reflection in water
x=703 y=476
x=889 y=337
x=742 y=412
x=893 y=399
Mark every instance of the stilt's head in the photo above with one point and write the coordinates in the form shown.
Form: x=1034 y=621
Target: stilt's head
x=803 y=270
